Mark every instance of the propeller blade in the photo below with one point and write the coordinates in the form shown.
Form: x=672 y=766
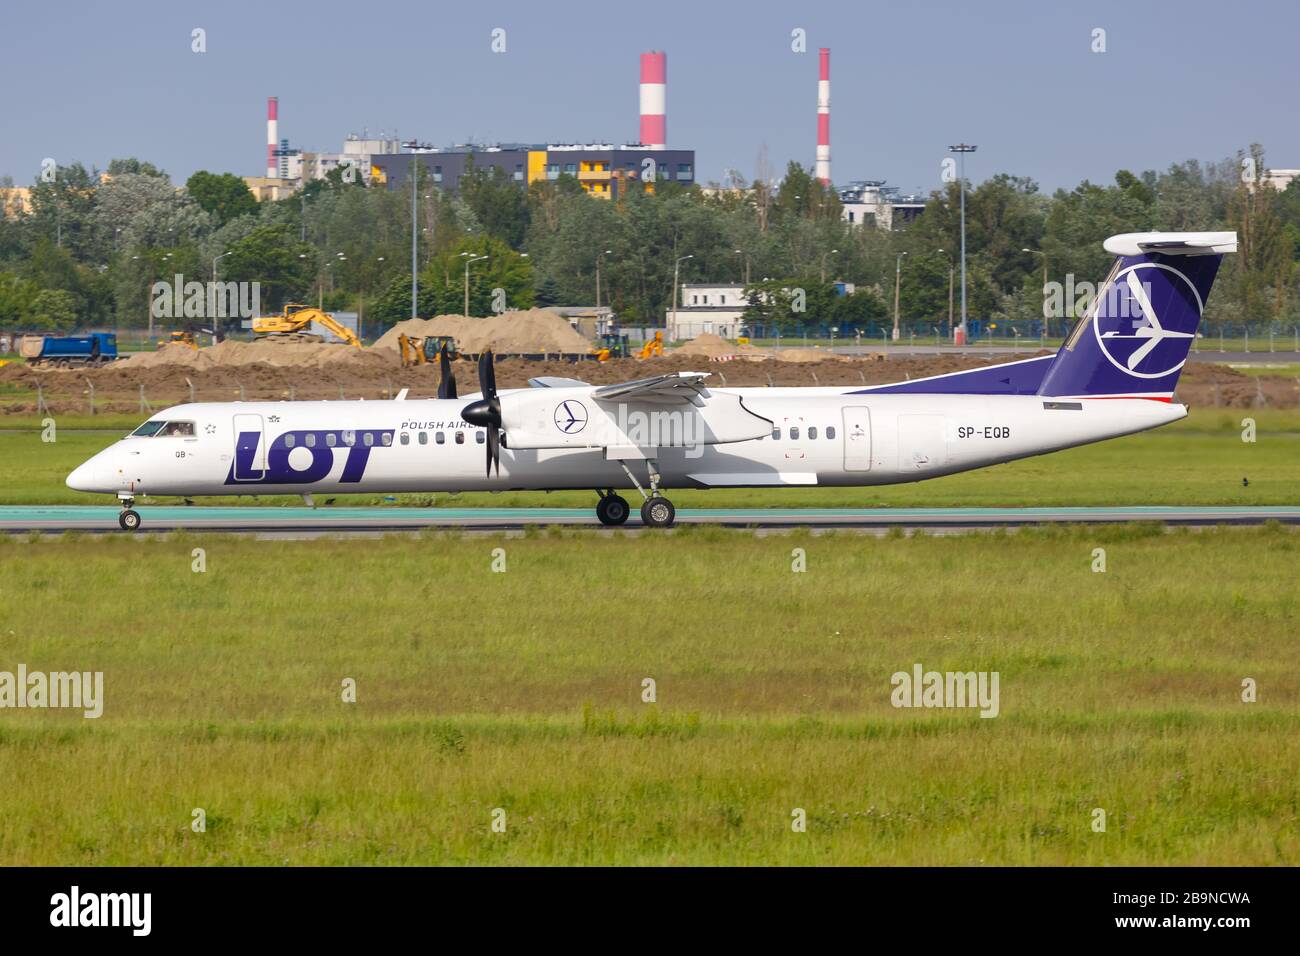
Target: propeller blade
x=487 y=375
x=493 y=451
x=447 y=383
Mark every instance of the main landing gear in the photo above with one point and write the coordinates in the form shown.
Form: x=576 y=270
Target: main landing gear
x=129 y=519
x=656 y=511
x=612 y=509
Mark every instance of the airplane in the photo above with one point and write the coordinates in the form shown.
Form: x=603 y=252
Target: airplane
x=1114 y=375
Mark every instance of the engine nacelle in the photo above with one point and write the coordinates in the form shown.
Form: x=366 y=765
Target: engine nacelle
x=573 y=418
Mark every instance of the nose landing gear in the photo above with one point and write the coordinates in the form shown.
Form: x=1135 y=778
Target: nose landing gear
x=129 y=519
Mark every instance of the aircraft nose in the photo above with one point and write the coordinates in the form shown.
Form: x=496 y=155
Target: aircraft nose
x=93 y=475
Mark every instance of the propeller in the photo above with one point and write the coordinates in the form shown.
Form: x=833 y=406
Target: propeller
x=486 y=412
x=447 y=383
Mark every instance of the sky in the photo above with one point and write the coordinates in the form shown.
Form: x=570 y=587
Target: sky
x=91 y=81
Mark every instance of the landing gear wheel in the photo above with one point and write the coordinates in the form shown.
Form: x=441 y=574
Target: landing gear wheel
x=658 y=512
x=129 y=520
x=612 y=510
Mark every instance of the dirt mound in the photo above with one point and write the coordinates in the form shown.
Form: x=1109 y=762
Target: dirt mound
x=531 y=331
x=807 y=355
x=711 y=346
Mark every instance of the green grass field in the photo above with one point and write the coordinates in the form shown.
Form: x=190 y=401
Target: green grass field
x=522 y=691
x=1198 y=461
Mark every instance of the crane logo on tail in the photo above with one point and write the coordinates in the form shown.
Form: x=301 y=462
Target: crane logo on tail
x=1130 y=330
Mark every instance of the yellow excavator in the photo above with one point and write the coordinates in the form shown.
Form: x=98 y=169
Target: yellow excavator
x=422 y=349
x=653 y=347
x=186 y=338
x=293 y=325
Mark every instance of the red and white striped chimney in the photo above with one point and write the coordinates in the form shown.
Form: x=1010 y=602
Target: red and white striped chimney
x=654 y=88
x=272 y=136
x=824 y=117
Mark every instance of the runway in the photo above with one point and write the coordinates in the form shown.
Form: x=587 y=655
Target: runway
x=301 y=521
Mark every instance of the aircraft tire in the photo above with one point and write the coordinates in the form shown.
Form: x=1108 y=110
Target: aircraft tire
x=612 y=510
x=658 y=513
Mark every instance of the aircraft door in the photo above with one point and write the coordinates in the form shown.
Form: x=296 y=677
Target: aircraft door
x=857 y=438
x=250 y=448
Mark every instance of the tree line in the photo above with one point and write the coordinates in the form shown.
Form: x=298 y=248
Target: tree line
x=90 y=248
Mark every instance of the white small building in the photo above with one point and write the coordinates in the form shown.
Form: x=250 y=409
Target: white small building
x=707 y=308
x=871 y=202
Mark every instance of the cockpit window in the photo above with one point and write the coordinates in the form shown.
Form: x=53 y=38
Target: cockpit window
x=147 y=429
x=177 y=430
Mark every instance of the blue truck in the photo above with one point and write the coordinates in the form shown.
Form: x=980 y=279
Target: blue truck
x=69 y=351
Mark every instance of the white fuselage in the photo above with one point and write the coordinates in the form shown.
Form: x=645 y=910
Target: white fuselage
x=818 y=436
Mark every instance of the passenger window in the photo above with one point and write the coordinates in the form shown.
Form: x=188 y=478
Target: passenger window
x=386 y=438
x=310 y=440
x=812 y=431
x=330 y=439
x=776 y=433
x=368 y=439
x=794 y=433
x=480 y=437
x=830 y=431
x=460 y=438
x=349 y=438
x=440 y=438
x=289 y=440
x=405 y=439
x=424 y=438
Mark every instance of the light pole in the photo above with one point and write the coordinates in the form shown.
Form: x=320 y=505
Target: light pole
x=898 y=275
x=599 y=258
x=320 y=299
x=951 y=270
x=961 y=149
x=415 y=146
x=745 y=255
x=676 y=267
x=1035 y=252
x=824 y=255
x=468 y=262
x=216 y=325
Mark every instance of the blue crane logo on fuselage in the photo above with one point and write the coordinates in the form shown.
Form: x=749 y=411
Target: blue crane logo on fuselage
x=571 y=416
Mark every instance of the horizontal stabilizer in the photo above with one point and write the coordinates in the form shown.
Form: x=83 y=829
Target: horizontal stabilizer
x=1172 y=243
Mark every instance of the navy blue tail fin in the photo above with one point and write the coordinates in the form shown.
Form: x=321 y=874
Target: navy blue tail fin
x=1135 y=338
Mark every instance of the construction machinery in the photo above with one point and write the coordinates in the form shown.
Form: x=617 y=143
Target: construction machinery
x=293 y=324
x=186 y=338
x=69 y=351
x=652 y=347
x=612 y=345
x=423 y=349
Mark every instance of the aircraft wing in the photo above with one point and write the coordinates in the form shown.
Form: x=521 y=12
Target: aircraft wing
x=674 y=388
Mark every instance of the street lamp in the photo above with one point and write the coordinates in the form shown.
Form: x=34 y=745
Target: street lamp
x=599 y=258
x=742 y=252
x=961 y=149
x=951 y=270
x=415 y=146
x=320 y=301
x=676 y=268
x=824 y=255
x=1036 y=252
x=470 y=260
x=898 y=274
x=216 y=325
